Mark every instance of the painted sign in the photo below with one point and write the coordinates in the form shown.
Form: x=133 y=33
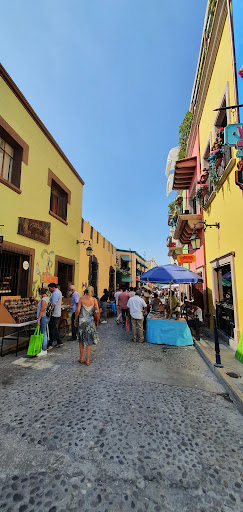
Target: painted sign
x=48 y=279
x=233 y=135
x=26 y=265
x=35 y=229
x=186 y=258
x=239 y=174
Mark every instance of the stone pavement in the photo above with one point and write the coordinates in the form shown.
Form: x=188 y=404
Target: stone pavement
x=144 y=428
x=231 y=375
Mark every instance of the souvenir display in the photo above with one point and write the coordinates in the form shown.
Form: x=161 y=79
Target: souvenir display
x=22 y=310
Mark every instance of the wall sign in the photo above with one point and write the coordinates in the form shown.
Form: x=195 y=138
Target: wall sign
x=239 y=174
x=35 y=229
x=26 y=265
x=233 y=135
x=48 y=279
x=186 y=258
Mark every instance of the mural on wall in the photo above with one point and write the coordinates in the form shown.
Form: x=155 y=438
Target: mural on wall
x=44 y=271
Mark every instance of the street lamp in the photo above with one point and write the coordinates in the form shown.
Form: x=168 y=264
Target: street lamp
x=89 y=249
x=195 y=239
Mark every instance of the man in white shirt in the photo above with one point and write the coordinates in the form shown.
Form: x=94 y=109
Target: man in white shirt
x=137 y=306
x=116 y=295
x=56 y=299
x=119 y=315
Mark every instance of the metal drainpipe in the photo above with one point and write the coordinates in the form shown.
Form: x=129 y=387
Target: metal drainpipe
x=233 y=57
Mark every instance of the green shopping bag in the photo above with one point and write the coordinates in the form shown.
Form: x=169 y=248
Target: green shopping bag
x=35 y=343
x=239 y=350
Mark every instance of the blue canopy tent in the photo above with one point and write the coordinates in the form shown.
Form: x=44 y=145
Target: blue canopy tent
x=179 y=333
x=170 y=274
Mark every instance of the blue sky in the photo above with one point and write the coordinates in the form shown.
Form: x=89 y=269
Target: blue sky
x=111 y=80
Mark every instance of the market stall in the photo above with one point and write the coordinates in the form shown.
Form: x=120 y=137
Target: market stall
x=16 y=315
x=164 y=327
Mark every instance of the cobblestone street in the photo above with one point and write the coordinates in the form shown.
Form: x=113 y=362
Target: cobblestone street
x=144 y=428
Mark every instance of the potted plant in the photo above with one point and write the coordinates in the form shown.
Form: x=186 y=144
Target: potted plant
x=201 y=193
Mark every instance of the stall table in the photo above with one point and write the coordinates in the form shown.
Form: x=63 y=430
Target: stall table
x=168 y=332
x=15 y=336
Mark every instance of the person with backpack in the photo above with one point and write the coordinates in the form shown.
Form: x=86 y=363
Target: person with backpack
x=43 y=319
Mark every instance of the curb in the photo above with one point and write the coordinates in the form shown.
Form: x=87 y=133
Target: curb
x=235 y=394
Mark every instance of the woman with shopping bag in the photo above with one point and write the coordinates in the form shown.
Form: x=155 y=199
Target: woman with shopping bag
x=43 y=319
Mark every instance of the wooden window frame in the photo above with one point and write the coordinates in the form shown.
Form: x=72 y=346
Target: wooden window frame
x=21 y=154
x=53 y=177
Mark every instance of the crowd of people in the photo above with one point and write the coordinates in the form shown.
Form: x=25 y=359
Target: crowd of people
x=132 y=307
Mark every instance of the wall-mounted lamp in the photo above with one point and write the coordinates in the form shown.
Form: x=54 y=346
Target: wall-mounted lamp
x=195 y=239
x=89 y=249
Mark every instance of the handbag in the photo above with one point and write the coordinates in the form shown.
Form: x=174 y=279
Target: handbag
x=35 y=343
x=128 y=324
x=96 y=317
x=239 y=350
x=50 y=309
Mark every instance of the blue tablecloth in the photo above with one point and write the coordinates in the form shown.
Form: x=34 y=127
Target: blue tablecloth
x=168 y=332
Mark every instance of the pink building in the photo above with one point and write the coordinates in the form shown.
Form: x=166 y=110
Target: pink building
x=186 y=177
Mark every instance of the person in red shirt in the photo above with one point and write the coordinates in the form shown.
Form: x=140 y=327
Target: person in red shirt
x=122 y=302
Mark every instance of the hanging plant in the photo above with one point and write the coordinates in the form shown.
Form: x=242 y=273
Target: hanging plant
x=201 y=193
x=173 y=221
x=216 y=156
x=178 y=200
x=184 y=132
x=213 y=173
x=204 y=176
x=169 y=242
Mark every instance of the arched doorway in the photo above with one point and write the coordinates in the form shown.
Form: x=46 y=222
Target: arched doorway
x=93 y=273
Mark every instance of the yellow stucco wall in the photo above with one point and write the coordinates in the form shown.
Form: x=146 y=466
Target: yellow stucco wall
x=227 y=207
x=34 y=201
x=106 y=257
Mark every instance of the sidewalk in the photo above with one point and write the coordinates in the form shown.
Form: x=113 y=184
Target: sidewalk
x=231 y=368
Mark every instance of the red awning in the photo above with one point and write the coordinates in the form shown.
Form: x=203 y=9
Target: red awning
x=184 y=171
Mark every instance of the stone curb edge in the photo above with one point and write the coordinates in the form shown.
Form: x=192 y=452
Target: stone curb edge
x=235 y=394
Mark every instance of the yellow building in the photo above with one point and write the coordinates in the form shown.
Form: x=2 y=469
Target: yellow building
x=130 y=266
x=99 y=269
x=214 y=88
x=40 y=200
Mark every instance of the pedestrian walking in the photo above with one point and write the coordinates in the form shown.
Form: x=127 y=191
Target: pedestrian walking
x=137 y=307
x=103 y=302
x=119 y=315
x=42 y=319
x=74 y=302
x=56 y=299
x=131 y=292
x=122 y=302
x=87 y=335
